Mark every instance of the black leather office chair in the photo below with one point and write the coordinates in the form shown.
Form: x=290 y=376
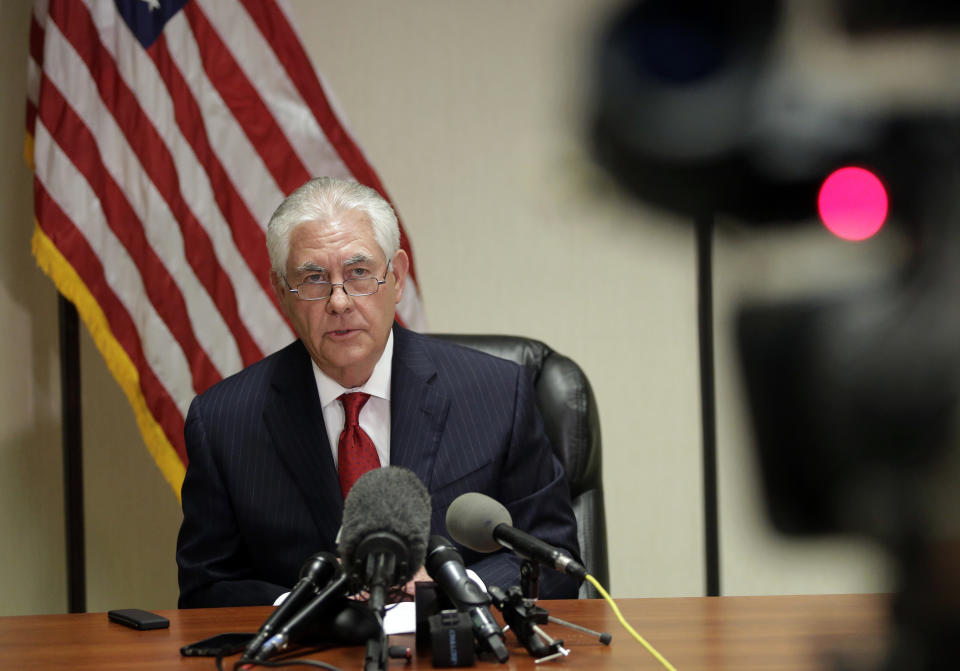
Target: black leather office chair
x=570 y=417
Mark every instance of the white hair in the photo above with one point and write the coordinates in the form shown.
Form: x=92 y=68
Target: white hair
x=326 y=199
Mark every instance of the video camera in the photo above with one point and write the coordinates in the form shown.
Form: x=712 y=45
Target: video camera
x=742 y=109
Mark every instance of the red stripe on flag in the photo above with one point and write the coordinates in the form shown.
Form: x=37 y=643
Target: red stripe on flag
x=158 y=163
x=74 y=247
x=284 y=41
x=77 y=142
x=245 y=104
x=36 y=55
x=31 y=117
x=36 y=40
x=247 y=235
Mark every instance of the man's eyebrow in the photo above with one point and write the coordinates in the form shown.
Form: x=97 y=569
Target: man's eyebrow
x=358 y=258
x=310 y=266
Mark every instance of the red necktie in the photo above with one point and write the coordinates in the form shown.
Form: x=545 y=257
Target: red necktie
x=356 y=453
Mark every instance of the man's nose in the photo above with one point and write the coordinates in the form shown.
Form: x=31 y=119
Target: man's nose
x=340 y=300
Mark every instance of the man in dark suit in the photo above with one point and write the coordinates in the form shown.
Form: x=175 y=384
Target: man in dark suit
x=262 y=490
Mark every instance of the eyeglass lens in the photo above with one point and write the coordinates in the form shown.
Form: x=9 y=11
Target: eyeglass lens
x=355 y=287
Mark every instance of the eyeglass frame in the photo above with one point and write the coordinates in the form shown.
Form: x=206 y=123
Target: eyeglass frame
x=342 y=285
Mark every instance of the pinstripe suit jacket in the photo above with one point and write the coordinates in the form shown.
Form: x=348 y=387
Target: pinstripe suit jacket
x=261 y=492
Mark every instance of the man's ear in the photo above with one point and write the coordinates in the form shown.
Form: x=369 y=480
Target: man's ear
x=279 y=289
x=401 y=266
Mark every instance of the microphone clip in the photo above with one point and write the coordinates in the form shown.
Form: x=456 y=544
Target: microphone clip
x=523 y=616
x=530 y=579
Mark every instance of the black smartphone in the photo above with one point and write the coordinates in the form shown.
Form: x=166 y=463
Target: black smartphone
x=138 y=619
x=220 y=645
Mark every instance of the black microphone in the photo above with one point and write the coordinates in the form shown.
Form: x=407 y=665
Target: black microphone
x=446 y=568
x=315 y=573
x=319 y=607
x=484 y=525
x=386 y=521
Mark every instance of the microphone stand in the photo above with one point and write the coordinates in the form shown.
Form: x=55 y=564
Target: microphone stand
x=375 y=658
x=381 y=566
x=530 y=579
x=523 y=616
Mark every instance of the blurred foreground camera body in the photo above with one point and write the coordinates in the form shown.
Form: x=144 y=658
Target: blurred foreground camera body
x=710 y=109
x=742 y=109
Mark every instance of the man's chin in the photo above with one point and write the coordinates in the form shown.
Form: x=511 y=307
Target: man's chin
x=349 y=360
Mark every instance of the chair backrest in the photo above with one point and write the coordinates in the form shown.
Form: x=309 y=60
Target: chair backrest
x=565 y=400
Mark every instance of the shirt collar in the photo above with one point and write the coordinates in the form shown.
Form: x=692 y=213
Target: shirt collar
x=378 y=384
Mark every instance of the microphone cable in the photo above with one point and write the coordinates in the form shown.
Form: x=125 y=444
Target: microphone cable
x=280 y=663
x=626 y=625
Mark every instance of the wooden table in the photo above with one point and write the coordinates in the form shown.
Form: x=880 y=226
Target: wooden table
x=770 y=633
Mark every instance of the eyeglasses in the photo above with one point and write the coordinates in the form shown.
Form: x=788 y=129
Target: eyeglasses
x=358 y=286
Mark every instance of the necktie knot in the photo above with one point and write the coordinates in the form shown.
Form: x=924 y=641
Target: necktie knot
x=352 y=404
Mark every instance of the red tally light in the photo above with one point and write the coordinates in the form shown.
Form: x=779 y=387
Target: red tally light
x=852 y=203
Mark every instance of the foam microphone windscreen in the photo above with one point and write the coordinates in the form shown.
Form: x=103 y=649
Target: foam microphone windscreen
x=392 y=500
x=471 y=519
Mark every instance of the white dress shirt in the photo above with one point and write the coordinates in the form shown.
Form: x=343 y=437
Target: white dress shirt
x=375 y=414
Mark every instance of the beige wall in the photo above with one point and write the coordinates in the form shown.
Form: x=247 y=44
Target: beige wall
x=31 y=517
x=471 y=113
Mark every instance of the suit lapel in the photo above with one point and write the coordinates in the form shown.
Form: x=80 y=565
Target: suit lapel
x=294 y=419
x=418 y=407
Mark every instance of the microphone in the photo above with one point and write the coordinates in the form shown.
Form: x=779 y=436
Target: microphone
x=315 y=573
x=484 y=525
x=386 y=521
x=308 y=615
x=446 y=568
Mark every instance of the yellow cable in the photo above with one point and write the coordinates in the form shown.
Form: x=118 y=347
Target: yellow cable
x=660 y=658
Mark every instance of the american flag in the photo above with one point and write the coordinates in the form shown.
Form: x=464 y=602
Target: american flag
x=163 y=133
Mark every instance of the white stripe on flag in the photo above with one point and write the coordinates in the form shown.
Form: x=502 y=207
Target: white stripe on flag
x=40 y=10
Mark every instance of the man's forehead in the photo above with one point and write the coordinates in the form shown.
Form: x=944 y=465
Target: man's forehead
x=352 y=224
x=342 y=239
